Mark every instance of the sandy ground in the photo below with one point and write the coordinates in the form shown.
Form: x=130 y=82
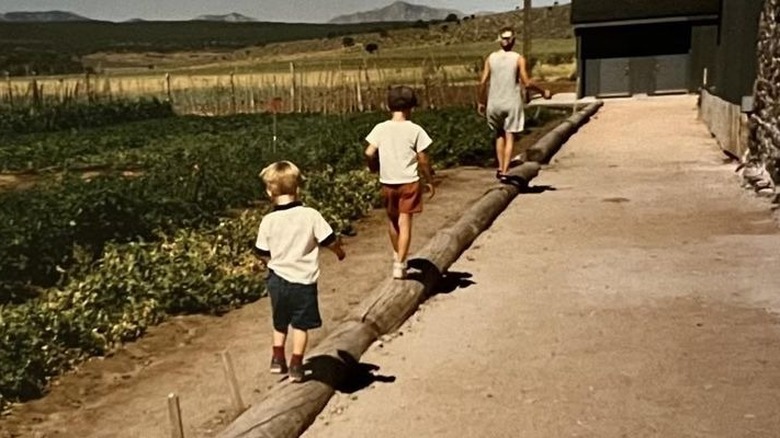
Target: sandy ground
x=636 y=296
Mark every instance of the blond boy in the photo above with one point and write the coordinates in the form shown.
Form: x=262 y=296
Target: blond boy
x=288 y=240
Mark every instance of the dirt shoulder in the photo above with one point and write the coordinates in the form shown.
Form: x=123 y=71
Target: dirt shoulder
x=635 y=295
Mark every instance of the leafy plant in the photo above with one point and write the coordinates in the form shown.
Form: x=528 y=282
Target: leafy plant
x=73 y=115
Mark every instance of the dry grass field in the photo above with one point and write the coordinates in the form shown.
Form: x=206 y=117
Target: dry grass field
x=307 y=74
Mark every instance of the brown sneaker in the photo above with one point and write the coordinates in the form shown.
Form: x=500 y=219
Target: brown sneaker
x=278 y=366
x=296 y=373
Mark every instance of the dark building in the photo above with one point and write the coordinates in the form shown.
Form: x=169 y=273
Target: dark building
x=736 y=58
x=629 y=47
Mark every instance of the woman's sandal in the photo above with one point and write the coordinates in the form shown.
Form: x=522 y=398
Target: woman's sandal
x=501 y=176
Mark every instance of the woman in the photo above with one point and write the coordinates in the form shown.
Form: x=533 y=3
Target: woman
x=508 y=77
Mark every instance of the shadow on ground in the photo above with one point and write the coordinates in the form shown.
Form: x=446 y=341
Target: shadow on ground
x=444 y=283
x=452 y=281
x=535 y=190
x=347 y=375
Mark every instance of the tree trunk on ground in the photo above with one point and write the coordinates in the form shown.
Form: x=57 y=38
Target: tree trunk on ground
x=544 y=149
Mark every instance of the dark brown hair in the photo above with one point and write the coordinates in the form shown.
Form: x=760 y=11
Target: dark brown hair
x=401 y=98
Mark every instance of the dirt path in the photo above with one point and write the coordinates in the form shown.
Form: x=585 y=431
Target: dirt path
x=125 y=395
x=638 y=298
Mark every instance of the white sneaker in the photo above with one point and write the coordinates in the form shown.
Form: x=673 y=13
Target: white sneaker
x=399 y=270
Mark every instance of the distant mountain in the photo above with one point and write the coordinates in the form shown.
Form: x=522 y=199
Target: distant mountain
x=45 y=16
x=483 y=13
x=398 y=11
x=227 y=18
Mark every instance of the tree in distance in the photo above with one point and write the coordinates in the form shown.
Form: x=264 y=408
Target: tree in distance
x=372 y=48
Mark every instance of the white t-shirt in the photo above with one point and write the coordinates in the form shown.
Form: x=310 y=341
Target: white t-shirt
x=398 y=144
x=291 y=235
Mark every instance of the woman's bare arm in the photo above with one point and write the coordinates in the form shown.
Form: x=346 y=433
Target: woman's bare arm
x=526 y=79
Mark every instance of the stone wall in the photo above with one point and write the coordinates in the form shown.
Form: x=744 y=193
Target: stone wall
x=764 y=141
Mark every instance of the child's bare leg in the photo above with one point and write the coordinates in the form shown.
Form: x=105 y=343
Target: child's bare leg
x=300 y=339
x=404 y=235
x=500 y=142
x=279 y=339
x=509 y=148
x=278 y=360
x=392 y=231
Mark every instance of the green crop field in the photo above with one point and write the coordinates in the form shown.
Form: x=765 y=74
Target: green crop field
x=89 y=261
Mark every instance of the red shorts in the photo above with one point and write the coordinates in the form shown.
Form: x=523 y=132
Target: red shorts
x=402 y=198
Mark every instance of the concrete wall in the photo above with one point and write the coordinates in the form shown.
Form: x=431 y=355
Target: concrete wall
x=727 y=124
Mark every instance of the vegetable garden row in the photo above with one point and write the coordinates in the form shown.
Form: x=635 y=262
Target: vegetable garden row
x=165 y=227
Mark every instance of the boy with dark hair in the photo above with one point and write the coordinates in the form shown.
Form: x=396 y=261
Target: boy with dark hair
x=400 y=145
x=288 y=240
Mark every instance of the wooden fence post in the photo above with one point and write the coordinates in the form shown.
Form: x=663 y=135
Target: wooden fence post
x=174 y=415
x=10 y=88
x=233 y=103
x=359 y=94
x=87 y=87
x=230 y=376
x=168 y=91
x=292 y=87
x=37 y=100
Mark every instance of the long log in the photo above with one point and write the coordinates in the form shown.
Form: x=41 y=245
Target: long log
x=547 y=146
x=288 y=409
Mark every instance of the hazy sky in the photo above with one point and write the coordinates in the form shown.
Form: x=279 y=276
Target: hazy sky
x=266 y=10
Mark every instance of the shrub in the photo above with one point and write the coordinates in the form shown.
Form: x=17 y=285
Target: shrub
x=71 y=115
x=372 y=47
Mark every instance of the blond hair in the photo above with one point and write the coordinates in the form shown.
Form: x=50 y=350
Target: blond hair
x=281 y=178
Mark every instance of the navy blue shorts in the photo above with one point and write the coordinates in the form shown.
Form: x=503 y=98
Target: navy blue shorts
x=293 y=304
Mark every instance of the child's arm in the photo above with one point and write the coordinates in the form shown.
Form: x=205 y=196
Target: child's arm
x=263 y=256
x=424 y=164
x=337 y=249
x=333 y=243
x=372 y=158
x=326 y=237
x=260 y=247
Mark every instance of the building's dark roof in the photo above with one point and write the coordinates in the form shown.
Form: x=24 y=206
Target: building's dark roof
x=593 y=11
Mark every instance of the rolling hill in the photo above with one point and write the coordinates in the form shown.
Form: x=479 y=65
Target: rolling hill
x=233 y=17
x=398 y=11
x=41 y=17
